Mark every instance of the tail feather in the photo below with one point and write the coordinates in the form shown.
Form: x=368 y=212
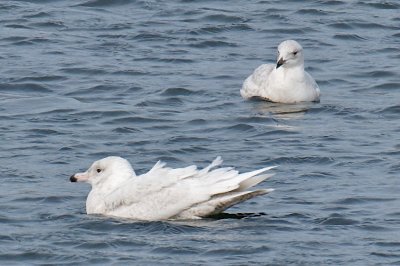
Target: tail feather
x=247 y=175
x=157 y=166
x=219 y=203
x=252 y=181
x=231 y=181
x=223 y=202
x=217 y=161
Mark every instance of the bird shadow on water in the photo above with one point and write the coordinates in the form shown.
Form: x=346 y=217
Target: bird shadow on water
x=221 y=216
x=212 y=221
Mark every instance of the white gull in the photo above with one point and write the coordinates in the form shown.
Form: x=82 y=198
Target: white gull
x=166 y=193
x=285 y=82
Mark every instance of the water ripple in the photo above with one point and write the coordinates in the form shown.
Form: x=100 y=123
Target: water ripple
x=152 y=80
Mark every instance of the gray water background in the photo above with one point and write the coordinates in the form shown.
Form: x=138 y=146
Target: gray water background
x=160 y=80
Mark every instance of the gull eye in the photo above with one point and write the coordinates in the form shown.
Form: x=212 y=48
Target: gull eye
x=98 y=170
x=295 y=53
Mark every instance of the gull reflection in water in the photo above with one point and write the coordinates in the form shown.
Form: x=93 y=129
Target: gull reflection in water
x=282 y=111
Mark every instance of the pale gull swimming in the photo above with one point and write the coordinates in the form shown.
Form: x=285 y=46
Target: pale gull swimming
x=285 y=82
x=166 y=193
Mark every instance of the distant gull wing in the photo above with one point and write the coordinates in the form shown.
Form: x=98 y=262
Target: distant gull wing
x=254 y=84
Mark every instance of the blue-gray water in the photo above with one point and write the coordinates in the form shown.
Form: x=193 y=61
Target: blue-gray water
x=150 y=80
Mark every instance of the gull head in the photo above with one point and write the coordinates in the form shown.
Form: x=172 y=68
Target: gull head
x=107 y=172
x=290 y=54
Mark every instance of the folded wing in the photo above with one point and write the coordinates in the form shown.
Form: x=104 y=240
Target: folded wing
x=164 y=193
x=256 y=83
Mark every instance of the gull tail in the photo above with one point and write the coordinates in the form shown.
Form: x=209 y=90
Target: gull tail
x=227 y=200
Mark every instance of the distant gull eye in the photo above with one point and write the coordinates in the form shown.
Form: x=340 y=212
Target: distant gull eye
x=98 y=170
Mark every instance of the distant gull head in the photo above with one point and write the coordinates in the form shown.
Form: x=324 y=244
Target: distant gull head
x=290 y=53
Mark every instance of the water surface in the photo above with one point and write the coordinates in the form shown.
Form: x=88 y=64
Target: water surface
x=160 y=80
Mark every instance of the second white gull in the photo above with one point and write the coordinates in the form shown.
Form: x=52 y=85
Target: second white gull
x=283 y=82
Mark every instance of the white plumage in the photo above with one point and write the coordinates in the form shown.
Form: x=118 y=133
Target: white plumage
x=285 y=82
x=166 y=193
